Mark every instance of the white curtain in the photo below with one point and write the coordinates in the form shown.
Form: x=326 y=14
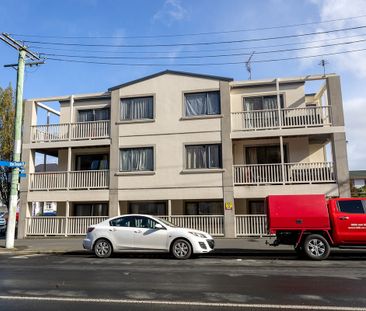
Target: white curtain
x=196 y=157
x=202 y=103
x=137 y=159
x=85 y=116
x=137 y=108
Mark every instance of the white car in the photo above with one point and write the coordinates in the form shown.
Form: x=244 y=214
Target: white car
x=145 y=232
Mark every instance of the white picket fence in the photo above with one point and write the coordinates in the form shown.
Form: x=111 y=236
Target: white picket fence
x=70 y=131
x=246 y=225
x=285 y=118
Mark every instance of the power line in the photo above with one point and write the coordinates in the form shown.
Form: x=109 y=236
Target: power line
x=195 y=51
x=205 y=64
x=198 y=43
x=205 y=56
x=190 y=34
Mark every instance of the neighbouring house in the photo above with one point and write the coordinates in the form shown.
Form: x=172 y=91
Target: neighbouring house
x=358 y=182
x=199 y=150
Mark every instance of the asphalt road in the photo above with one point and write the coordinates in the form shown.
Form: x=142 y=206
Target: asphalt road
x=156 y=282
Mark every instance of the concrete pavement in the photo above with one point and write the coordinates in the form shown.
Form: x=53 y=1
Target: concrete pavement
x=74 y=244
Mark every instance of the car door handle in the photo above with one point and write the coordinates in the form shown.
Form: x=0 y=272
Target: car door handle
x=344 y=218
x=137 y=231
x=113 y=229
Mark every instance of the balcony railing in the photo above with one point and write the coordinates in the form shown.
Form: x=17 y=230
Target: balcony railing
x=69 y=180
x=283 y=118
x=70 y=131
x=251 y=225
x=288 y=173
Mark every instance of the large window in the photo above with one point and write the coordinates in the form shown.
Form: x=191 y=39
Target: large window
x=198 y=104
x=89 y=115
x=264 y=154
x=150 y=208
x=203 y=156
x=137 y=159
x=204 y=208
x=134 y=222
x=92 y=209
x=261 y=103
x=351 y=206
x=256 y=207
x=137 y=108
x=92 y=162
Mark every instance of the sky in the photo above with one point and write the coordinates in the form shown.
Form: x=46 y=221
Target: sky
x=178 y=24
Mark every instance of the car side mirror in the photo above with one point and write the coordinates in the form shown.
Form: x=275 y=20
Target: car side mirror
x=159 y=226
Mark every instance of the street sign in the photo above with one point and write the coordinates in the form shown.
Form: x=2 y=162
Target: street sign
x=12 y=164
x=22 y=175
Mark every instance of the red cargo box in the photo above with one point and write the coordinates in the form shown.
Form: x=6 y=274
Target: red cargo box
x=291 y=212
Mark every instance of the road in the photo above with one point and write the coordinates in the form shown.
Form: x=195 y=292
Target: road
x=156 y=282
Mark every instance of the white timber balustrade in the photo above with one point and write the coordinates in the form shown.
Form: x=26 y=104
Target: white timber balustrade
x=97 y=179
x=79 y=225
x=72 y=131
x=295 y=173
x=251 y=225
x=287 y=118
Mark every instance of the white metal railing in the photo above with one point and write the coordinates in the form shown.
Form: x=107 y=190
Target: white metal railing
x=69 y=180
x=45 y=226
x=283 y=118
x=212 y=224
x=90 y=130
x=70 y=131
x=251 y=225
x=289 y=173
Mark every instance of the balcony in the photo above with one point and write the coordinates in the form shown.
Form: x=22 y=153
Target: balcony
x=283 y=118
x=70 y=131
x=73 y=180
x=287 y=173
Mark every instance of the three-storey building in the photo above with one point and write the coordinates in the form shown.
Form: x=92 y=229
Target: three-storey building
x=202 y=151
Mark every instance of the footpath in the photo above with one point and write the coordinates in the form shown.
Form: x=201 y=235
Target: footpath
x=74 y=245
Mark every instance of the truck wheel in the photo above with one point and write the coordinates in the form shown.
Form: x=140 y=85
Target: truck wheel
x=316 y=247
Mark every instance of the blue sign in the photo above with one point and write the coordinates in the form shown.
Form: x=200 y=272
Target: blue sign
x=12 y=164
x=22 y=175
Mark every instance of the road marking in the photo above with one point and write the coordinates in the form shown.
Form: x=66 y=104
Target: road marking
x=26 y=256
x=186 y=303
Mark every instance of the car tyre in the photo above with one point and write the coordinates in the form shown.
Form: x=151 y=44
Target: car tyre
x=181 y=249
x=103 y=248
x=316 y=247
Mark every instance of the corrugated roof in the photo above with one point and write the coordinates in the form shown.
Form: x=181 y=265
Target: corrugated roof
x=357 y=174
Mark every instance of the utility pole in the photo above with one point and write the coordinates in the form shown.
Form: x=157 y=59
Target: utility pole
x=24 y=52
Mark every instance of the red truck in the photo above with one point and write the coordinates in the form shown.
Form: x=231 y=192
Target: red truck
x=313 y=224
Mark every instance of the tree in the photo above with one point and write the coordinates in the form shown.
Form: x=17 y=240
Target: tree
x=7 y=119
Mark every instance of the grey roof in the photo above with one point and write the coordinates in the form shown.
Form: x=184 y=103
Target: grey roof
x=173 y=72
x=357 y=174
x=50 y=167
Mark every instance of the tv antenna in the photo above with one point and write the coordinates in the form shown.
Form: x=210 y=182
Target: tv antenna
x=248 y=65
x=323 y=63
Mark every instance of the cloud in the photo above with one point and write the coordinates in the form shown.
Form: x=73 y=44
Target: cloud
x=171 y=11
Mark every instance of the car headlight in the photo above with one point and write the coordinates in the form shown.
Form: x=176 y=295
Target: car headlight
x=197 y=234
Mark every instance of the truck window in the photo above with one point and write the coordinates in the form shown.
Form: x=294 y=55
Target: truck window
x=351 y=207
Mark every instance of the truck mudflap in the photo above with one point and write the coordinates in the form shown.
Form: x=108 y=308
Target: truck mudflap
x=301 y=235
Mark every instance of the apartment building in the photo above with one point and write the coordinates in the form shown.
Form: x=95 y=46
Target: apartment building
x=201 y=151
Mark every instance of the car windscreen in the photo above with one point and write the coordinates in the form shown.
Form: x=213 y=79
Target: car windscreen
x=168 y=223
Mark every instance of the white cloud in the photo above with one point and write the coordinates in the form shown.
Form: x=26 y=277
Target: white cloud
x=171 y=11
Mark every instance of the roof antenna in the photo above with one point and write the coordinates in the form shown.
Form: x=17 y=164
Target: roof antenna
x=249 y=66
x=323 y=63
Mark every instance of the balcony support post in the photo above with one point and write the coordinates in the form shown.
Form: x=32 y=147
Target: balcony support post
x=282 y=161
x=67 y=215
x=68 y=168
x=169 y=209
x=278 y=103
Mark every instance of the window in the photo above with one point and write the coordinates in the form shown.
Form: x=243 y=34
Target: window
x=95 y=209
x=92 y=162
x=256 y=207
x=89 y=115
x=145 y=222
x=207 y=103
x=136 y=159
x=264 y=154
x=203 y=156
x=351 y=206
x=128 y=221
x=137 y=108
x=204 y=208
x=262 y=103
x=151 y=208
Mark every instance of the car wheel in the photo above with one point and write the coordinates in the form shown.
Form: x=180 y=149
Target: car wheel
x=181 y=249
x=316 y=247
x=103 y=248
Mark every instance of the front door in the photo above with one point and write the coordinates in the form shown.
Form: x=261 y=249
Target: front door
x=350 y=221
x=122 y=232
x=147 y=237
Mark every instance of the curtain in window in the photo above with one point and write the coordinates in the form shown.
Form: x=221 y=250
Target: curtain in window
x=151 y=208
x=137 y=108
x=196 y=157
x=269 y=102
x=253 y=103
x=213 y=103
x=102 y=114
x=137 y=159
x=214 y=156
x=202 y=104
x=204 y=208
x=85 y=116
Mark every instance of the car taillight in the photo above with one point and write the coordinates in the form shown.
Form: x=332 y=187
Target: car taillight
x=90 y=229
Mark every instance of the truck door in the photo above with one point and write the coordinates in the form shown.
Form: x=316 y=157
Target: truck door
x=350 y=221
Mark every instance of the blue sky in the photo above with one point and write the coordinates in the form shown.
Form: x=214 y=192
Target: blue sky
x=94 y=18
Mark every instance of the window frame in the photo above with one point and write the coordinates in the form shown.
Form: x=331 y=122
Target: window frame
x=120 y=171
x=198 y=202
x=93 y=109
x=144 y=120
x=262 y=95
x=363 y=203
x=148 y=202
x=200 y=116
x=185 y=158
